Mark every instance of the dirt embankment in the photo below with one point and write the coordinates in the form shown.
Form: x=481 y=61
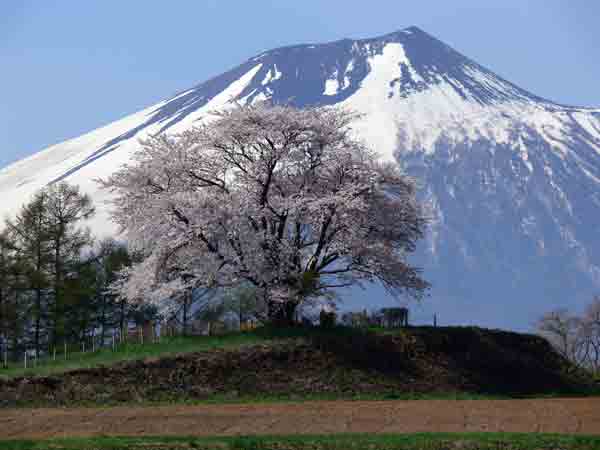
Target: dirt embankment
x=342 y=364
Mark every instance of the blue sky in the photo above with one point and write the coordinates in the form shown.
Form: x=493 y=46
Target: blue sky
x=70 y=66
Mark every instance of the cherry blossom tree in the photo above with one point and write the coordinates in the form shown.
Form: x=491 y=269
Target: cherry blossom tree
x=284 y=199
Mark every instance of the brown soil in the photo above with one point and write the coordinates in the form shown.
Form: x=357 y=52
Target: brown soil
x=576 y=416
x=337 y=364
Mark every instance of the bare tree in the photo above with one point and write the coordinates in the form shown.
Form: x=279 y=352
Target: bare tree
x=575 y=337
x=589 y=339
x=282 y=198
x=560 y=328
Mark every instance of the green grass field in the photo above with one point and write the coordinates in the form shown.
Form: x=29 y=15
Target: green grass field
x=425 y=441
x=166 y=346
x=131 y=351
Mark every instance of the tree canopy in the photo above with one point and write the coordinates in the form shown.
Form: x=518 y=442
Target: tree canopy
x=285 y=199
x=54 y=280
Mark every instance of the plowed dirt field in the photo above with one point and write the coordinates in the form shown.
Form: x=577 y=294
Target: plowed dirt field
x=576 y=416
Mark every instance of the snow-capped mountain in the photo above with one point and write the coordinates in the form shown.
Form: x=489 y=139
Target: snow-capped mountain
x=513 y=180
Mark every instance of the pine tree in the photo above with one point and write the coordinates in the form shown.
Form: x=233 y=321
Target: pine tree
x=29 y=235
x=111 y=311
x=5 y=288
x=17 y=305
x=66 y=208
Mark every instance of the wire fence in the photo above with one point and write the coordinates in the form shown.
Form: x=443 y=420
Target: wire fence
x=117 y=340
x=28 y=358
x=114 y=342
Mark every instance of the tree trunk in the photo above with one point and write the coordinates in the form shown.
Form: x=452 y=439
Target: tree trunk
x=282 y=314
x=57 y=294
x=290 y=312
x=122 y=315
x=185 y=313
x=38 y=294
x=3 y=333
x=4 y=311
x=16 y=328
x=38 y=300
x=38 y=313
x=103 y=321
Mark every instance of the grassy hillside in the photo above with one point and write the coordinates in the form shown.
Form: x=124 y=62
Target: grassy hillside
x=128 y=352
x=298 y=364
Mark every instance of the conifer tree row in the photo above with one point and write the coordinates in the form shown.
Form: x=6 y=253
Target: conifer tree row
x=54 y=278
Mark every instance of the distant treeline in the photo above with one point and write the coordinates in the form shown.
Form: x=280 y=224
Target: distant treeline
x=55 y=278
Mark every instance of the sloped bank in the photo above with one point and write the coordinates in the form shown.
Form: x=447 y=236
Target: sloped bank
x=339 y=363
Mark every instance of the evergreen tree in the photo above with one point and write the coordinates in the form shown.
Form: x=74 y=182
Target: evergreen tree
x=5 y=289
x=16 y=304
x=29 y=235
x=55 y=285
x=111 y=310
x=66 y=208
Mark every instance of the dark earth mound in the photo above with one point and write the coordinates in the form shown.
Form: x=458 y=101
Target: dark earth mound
x=337 y=363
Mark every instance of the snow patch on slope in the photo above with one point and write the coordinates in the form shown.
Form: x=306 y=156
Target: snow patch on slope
x=372 y=99
x=589 y=123
x=19 y=181
x=272 y=75
x=447 y=112
x=332 y=86
x=226 y=98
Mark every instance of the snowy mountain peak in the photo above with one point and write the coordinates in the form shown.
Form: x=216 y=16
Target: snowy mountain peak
x=512 y=180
